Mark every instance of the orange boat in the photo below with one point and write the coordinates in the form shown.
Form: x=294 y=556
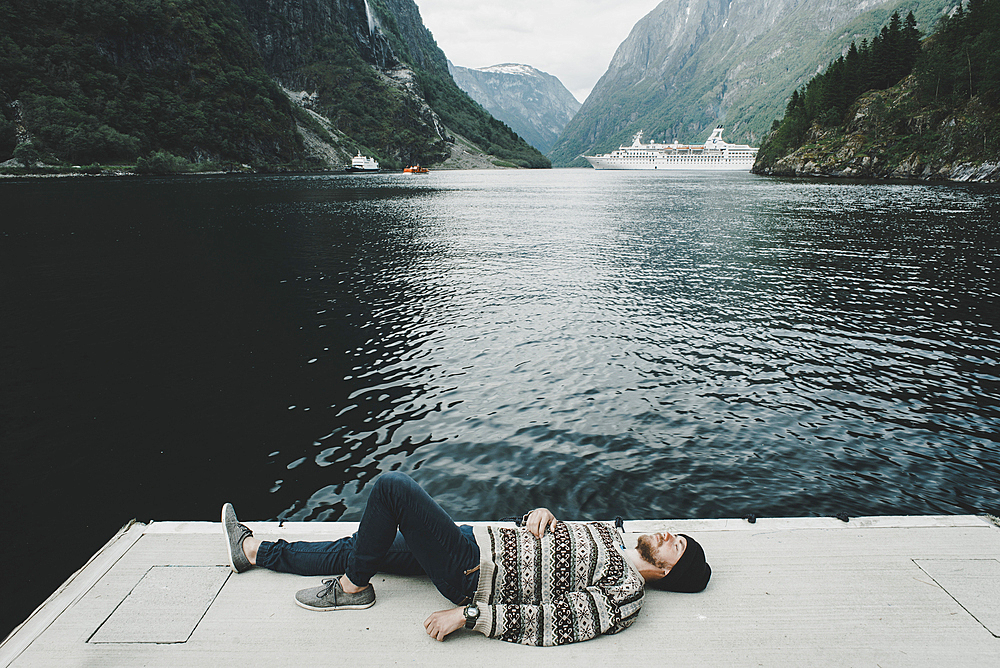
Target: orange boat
x=415 y=169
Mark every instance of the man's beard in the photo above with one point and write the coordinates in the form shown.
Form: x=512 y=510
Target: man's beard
x=645 y=547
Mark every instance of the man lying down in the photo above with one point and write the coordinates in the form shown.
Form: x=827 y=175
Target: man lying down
x=546 y=582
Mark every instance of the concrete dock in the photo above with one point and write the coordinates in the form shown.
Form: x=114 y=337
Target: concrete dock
x=872 y=591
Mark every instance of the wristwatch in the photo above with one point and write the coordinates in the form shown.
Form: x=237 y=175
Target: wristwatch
x=471 y=615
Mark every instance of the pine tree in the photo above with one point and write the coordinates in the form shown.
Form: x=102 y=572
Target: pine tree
x=853 y=72
x=895 y=51
x=911 y=42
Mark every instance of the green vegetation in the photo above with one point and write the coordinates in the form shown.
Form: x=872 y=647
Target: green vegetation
x=945 y=112
x=162 y=162
x=364 y=106
x=962 y=60
x=828 y=96
x=109 y=81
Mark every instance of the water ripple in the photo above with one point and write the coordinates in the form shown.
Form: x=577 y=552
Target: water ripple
x=655 y=346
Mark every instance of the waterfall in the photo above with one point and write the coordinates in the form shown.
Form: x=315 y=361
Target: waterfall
x=371 y=20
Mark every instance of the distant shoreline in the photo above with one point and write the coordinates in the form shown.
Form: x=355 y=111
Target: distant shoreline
x=804 y=175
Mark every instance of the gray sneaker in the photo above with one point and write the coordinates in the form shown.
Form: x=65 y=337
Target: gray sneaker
x=331 y=596
x=236 y=533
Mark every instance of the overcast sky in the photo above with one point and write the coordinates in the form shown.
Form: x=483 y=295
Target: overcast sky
x=573 y=40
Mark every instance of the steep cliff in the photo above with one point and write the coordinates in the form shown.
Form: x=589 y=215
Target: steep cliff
x=108 y=82
x=690 y=65
x=535 y=104
x=336 y=56
x=301 y=83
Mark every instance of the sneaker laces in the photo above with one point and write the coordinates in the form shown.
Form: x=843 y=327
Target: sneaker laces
x=331 y=585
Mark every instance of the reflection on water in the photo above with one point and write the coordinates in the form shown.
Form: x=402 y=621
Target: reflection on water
x=601 y=343
x=621 y=344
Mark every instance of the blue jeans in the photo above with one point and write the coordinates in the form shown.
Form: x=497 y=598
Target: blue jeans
x=403 y=531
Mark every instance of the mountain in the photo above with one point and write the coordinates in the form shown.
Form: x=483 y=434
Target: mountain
x=535 y=105
x=266 y=83
x=690 y=65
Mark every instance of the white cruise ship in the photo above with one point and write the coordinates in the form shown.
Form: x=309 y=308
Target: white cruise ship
x=362 y=163
x=714 y=155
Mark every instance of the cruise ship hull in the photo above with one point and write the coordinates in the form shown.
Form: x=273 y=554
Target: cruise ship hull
x=601 y=162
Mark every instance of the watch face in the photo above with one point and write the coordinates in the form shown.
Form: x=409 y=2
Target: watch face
x=471 y=615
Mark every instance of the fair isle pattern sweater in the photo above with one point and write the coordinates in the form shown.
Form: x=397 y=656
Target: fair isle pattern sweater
x=571 y=585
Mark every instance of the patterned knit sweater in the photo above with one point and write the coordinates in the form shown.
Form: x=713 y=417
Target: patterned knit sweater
x=571 y=585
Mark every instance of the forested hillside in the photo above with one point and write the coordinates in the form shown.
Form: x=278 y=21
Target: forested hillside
x=827 y=96
x=105 y=81
x=900 y=107
x=268 y=84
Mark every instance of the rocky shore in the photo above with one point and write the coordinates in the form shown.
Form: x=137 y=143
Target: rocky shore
x=872 y=167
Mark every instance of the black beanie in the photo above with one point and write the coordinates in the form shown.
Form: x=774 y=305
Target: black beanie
x=690 y=574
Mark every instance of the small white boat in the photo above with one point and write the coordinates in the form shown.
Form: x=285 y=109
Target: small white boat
x=362 y=163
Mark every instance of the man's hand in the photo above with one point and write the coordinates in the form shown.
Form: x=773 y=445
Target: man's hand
x=540 y=519
x=443 y=622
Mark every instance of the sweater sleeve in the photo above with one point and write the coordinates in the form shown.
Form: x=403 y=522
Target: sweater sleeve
x=574 y=616
x=568 y=587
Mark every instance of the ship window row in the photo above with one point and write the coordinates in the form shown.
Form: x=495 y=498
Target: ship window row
x=686 y=157
x=715 y=158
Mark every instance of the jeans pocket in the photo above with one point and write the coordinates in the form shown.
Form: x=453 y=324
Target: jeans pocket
x=471 y=584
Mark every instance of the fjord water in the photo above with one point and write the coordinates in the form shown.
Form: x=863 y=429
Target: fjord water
x=602 y=343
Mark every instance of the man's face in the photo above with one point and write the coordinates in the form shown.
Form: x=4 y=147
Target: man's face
x=662 y=550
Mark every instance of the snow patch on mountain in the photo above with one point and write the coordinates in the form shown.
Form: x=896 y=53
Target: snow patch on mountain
x=511 y=68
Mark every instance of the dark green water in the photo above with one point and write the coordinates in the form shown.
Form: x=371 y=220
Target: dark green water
x=600 y=343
